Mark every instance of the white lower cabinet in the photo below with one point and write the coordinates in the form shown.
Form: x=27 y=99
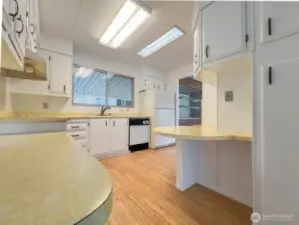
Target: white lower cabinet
x=108 y=136
x=280 y=134
x=119 y=135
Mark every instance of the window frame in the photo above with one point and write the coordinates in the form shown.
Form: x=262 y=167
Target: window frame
x=107 y=88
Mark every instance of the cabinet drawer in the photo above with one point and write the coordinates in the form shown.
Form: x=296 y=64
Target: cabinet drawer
x=78 y=134
x=77 y=126
x=83 y=143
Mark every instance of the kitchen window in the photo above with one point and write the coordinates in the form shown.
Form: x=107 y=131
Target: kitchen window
x=101 y=88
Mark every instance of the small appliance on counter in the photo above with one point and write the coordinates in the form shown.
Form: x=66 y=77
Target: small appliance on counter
x=139 y=135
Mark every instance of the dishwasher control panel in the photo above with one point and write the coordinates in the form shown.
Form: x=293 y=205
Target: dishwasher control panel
x=139 y=121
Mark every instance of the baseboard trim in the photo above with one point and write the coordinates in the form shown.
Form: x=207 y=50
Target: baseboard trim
x=105 y=156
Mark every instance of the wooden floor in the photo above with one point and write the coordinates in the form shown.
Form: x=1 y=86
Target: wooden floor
x=144 y=193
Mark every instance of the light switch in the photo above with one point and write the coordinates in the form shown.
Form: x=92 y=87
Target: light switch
x=229 y=96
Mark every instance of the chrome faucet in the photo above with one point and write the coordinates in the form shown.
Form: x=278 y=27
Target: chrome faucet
x=103 y=109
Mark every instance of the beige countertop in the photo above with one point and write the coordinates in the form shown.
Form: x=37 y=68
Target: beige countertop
x=57 y=117
x=201 y=133
x=47 y=179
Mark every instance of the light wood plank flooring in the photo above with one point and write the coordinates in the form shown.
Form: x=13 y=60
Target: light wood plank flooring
x=144 y=193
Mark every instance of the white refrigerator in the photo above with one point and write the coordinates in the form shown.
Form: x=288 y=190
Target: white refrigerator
x=161 y=108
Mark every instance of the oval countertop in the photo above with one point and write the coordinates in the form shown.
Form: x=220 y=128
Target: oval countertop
x=47 y=179
x=203 y=133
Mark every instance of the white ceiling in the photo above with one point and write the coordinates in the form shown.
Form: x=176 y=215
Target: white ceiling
x=84 y=21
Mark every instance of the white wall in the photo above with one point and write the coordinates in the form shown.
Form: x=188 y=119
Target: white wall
x=235 y=76
x=29 y=103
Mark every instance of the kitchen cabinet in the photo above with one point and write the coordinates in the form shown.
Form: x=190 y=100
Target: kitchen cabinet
x=119 y=137
x=13 y=34
x=149 y=83
x=223 y=30
x=79 y=130
x=278 y=19
x=99 y=136
x=197 y=46
x=109 y=136
x=32 y=25
x=59 y=73
x=280 y=139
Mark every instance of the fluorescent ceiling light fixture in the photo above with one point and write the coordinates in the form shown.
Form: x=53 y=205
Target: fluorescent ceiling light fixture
x=159 y=43
x=128 y=19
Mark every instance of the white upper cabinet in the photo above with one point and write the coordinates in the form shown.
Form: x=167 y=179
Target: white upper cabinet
x=60 y=73
x=119 y=137
x=32 y=25
x=278 y=19
x=13 y=34
x=197 y=46
x=149 y=83
x=223 y=30
x=20 y=24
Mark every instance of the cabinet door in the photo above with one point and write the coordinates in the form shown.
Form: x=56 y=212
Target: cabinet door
x=278 y=19
x=280 y=138
x=32 y=26
x=60 y=70
x=149 y=83
x=119 y=135
x=160 y=85
x=223 y=30
x=196 y=47
x=99 y=136
x=20 y=25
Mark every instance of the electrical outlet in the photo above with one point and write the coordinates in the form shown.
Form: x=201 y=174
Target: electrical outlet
x=229 y=96
x=45 y=105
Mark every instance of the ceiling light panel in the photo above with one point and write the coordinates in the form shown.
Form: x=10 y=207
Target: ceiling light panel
x=162 y=41
x=128 y=19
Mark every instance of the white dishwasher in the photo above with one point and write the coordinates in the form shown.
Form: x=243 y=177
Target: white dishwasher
x=139 y=134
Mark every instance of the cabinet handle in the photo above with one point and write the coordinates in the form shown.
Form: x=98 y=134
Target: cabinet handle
x=106 y=123
x=269 y=26
x=113 y=122
x=154 y=85
x=75 y=127
x=75 y=135
x=64 y=88
x=35 y=47
x=207 y=51
x=49 y=75
x=14 y=15
x=22 y=29
x=270 y=75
